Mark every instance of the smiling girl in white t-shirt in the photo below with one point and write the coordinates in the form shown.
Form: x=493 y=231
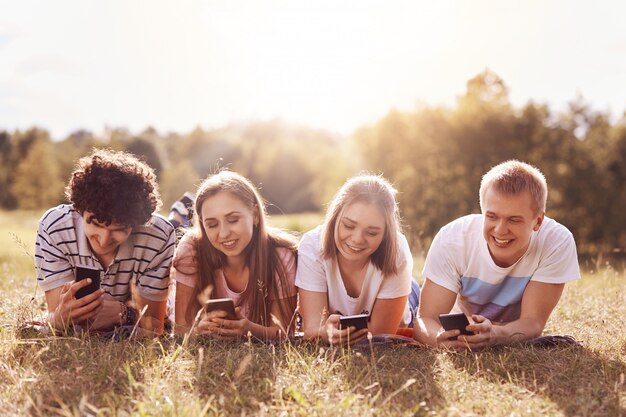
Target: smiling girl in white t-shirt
x=357 y=262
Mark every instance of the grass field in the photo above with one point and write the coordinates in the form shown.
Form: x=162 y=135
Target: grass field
x=43 y=375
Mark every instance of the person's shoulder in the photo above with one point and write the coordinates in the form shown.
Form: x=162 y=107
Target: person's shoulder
x=157 y=225
x=310 y=244
x=463 y=225
x=286 y=255
x=551 y=230
x=188 y=239
x=403 y=243
x=60 y=216
x=312 y=237
x=187 y=246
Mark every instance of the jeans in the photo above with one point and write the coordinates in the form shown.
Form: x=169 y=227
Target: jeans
x=414 y=300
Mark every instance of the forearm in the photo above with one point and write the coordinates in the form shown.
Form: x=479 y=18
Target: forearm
x=153 y=324
x=110 y=316
x=315 y=328
x=57 y=322
x=517 y=331
x=312 y=333
x=387 y=315
x=314 y=325
x=538 y=301
x=314 y=310
x=181 y=329
x=150 y=314
x=186 y=323
x=426 y=330
x=265 y=333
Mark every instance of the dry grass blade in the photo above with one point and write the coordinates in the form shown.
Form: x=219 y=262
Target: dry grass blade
x=243 y=365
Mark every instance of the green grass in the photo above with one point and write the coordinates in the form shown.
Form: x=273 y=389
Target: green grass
x=299 y=223
x=44 y=375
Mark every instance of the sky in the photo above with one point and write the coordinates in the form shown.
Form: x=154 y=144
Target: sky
x=337 y=65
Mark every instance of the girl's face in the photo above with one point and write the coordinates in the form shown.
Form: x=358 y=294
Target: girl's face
x=359 y=231
x=228 y=222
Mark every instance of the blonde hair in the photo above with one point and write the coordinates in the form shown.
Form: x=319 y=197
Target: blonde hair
x=262 y=257
x=373 y=190
x=514 y=177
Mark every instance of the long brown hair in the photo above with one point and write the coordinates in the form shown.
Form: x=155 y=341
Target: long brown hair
x=262 y=257
x=374 y=190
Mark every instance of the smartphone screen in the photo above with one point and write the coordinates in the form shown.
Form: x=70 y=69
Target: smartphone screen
x=82 y=273
x=222 y=304
x=358 y=320
x=455 y=321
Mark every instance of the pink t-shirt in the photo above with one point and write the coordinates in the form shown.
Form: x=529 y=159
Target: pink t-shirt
x=187 y=274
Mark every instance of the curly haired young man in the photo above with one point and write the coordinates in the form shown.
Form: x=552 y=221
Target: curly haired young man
x=111 y=227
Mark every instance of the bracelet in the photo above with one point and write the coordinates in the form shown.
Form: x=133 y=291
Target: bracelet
x=131 y=316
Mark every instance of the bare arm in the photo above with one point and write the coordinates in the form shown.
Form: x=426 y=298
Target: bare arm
x=65 y=309
x=314 y=309
x=154 y=316
x=183 y=315
x=317 y=323
x=434 y=300
x=285 y=323
x=538 y=301
x=386 y=315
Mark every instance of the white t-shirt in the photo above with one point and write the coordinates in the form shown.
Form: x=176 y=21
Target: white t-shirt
x=459 y=260
x=322 y=275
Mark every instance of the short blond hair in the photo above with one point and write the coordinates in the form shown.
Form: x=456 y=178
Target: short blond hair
x=514 y=177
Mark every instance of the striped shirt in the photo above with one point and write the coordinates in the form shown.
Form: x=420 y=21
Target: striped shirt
x=144 y=258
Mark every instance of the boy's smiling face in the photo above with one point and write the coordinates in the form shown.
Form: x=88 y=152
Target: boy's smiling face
x=104 y=240
x=509 y=221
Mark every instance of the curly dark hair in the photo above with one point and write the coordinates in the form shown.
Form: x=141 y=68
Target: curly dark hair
x=115 y=186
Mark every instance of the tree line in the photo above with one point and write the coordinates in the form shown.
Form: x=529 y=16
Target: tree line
x=435 y=156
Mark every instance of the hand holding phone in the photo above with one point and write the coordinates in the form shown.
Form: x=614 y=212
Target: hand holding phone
x=358 y=320
x=455 y=321
x=222 y=304
x=83 y=272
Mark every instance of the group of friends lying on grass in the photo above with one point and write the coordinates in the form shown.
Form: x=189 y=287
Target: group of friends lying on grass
x=504 y=270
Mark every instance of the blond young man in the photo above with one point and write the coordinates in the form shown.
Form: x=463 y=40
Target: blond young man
x=505 y=269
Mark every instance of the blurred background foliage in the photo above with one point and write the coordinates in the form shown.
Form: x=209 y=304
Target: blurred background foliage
x=435 y=156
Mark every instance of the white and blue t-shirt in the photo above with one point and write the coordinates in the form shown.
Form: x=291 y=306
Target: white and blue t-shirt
x=459 y=260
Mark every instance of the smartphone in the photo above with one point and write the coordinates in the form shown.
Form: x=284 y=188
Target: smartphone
x=455 y=321
x=222 y=304
x=83 y=272
x=358 y=320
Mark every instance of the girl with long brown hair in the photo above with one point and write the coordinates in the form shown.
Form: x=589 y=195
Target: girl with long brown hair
x=232 y=253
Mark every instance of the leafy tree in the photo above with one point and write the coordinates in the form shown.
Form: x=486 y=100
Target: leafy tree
x=21 y=144
x=145 y=150
x=178 y=178
x=75 y=146
x=37 y=183
x=6 y=146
